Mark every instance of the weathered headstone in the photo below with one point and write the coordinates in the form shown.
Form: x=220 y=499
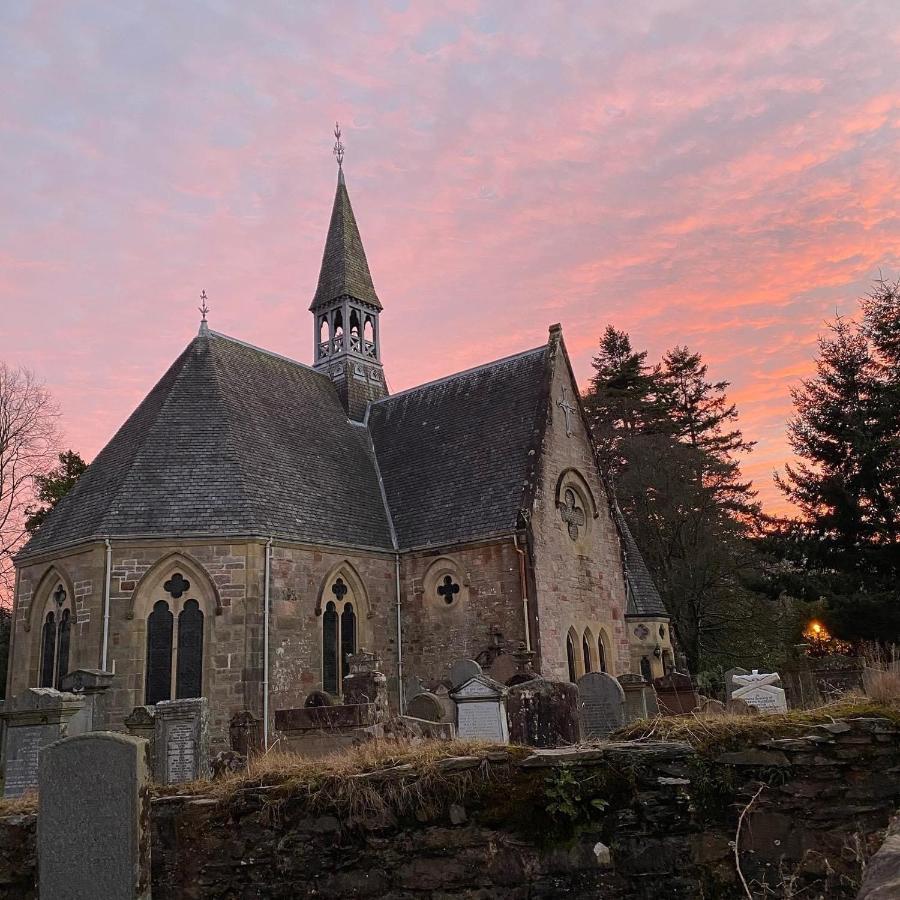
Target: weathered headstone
x=142 y=724
x=93 y=685
x=601 y=704
x=462 y=670
x=740 y=708
x=640 y=698
x=425 y=706
x=366 y=684
x=245 y=733
x=481 y=710
x=711 y=707
x=543 y=713
x=760 y=689
x=35 y=719
x=181 y=751
x=729 y=680
x=94 y=818
x=675 y=694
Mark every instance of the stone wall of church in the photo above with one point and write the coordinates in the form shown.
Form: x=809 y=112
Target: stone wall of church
x=303 y=581
x=474 y=615
x=580 y=588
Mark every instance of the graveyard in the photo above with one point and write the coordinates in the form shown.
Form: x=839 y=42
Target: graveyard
x=619 y=788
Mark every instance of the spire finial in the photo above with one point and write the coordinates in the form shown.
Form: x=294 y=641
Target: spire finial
x=338 y=146
x=204 y=309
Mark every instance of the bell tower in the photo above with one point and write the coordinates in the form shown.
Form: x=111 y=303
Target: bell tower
x=347 y=333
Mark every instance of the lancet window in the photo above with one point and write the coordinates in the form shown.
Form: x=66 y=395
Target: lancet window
x=56 y=637
x=340 y=636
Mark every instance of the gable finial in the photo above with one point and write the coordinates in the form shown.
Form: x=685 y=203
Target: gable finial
x=204 y=309
x=338 y=146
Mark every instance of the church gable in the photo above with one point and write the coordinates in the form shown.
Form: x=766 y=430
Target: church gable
x=454 y=454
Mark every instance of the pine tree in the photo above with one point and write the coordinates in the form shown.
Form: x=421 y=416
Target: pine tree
x=52 y=487
x=845 y=433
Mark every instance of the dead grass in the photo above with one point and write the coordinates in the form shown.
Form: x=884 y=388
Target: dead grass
x=18 y=806
x=372 y=780
x=716 y=733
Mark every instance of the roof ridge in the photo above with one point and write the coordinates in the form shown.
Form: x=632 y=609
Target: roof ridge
x=453 y=375
x=272 y=353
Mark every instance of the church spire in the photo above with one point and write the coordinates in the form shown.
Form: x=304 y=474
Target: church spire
x=345 y=307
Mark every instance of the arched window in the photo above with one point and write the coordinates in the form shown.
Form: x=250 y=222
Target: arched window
x=330 y=648
x=348 y=637
x=62 y=646
x=645 y=668
x=601 y=654
x=159 y=653
x=48 y=650
x=189 y=678
x=586 y=653
x=570 y=654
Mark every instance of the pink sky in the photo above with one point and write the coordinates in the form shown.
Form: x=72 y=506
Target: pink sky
x=722 y=175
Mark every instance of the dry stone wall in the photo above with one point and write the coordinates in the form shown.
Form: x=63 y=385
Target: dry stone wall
x=620 y=821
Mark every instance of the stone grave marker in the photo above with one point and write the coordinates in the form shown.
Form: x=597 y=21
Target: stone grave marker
x=142 y=724
x=760 y=689
x=35 y=719
x=366 y=684
x=481 y=710
x=93 y=684
x=462 y=670
x=181 y=740
x=245 y=733
x=675 y=694
x=601 y=704
x=543 y=713
x=640 y=698
x=425 y=706
x=93 y=839
x=711 y=707
x=729 y=680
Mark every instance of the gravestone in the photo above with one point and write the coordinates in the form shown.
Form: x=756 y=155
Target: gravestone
x=640 y=698
x=35 y=719
x=181 y=740
x=93 y=684
x=425 y=706
x=760 y=689
x=93 y=839
x=711 y=707
x=245 y=733
x=366 y=684
x=462 y=670
x=481 y=710
x=543 y=713
x=675 y=694
x=142 y=724
x=740 y=708
x=729 y=680
x=525 y=670
x=601 y=704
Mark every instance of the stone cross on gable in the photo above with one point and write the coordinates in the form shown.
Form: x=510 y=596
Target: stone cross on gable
x=568 y=407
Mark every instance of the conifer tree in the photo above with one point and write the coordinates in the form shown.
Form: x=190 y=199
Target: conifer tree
x=51 y=487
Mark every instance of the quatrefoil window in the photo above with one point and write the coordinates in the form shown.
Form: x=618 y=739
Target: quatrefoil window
x=571 y=513
x=448 y=589
x=177 y=585
x=339 y=589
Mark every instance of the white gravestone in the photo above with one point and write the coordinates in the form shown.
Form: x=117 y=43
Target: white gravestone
x=760 y=689
x=481 y=710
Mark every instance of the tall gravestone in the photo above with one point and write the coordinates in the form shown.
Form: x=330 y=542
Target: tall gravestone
x=729 y=680
x=245 y=733
x=601 y=704
x=640 y=698
x=481 y=710
x=675 y=694
x=462 y=670
x=93 y=837
x=543 y=713
x=35 y=719
x=181 y=740
x=366 y=684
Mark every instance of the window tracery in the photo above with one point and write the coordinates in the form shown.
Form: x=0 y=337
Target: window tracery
x=55 y=641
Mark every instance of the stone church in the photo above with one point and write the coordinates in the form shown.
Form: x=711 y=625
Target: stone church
x=256 y=520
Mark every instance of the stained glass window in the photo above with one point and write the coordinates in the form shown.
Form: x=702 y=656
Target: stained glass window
x=65 y=634
x=330 y=648
x=189 y=678
x=570 y=654
x=348 y=637
x=48 y=650
x=159 y=653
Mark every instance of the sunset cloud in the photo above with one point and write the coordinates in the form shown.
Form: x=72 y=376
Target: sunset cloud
x=723 y=175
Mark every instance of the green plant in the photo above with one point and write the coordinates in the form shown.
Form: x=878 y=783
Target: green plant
x=565 y=800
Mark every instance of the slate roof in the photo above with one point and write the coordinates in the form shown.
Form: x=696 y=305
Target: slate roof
x=345 y=269
x=453 y=454
x=643 y=597
x=231 y=441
